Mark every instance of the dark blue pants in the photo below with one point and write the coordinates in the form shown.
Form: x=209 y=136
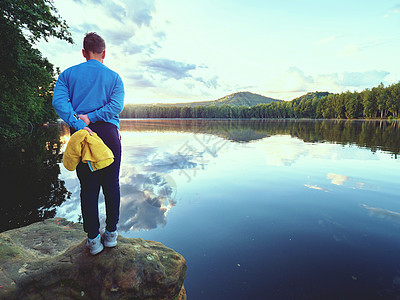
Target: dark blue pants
x=107 y=178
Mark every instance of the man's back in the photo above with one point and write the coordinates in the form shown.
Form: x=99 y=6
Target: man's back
x=92 y=89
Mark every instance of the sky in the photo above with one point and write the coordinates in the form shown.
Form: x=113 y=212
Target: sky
x=169 y=51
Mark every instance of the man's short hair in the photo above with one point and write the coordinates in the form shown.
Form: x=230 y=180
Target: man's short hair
x=92 y=42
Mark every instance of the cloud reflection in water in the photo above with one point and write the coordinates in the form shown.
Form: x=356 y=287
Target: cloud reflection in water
x=383 y=213
x=166 y=162
x=145 y=201
x=337 y=179
x=148 y=189
x=147 y=180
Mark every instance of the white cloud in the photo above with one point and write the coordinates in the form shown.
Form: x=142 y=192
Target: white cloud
x=328 y=40
x=118 y=36
x=362 y=79
x=294 y=82
x=136 y=78
x=139 y=11
x=353 y=48
x=348 y=50
x=392 y=11
x=169 y=68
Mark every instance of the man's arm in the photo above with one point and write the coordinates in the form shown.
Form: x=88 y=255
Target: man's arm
x=63 y=106
x=114 y=106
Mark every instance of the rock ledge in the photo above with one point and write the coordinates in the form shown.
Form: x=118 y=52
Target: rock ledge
x=49 y=260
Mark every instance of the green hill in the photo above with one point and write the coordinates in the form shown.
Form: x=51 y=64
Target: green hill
x=311 y=95
x=244 y=98
x=236 y=99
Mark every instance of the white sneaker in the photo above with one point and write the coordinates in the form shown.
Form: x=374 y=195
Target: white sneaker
x=95 y=246
x=109 y=238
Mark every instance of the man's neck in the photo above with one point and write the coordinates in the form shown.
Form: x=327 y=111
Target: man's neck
x=96 y=56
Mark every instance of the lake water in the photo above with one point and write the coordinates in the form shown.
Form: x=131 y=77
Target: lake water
x=265 y=209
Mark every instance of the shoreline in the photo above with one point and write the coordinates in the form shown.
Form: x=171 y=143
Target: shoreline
x=259 y=119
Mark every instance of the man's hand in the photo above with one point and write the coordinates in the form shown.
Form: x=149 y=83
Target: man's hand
x=84 y=118
x=88 y=130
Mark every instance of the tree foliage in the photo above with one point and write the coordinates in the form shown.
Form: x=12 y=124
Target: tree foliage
x=26 y=78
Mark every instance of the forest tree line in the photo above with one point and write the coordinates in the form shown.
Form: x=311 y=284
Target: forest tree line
x=378 y=102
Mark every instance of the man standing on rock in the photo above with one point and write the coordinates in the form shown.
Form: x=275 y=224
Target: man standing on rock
x=90 y=96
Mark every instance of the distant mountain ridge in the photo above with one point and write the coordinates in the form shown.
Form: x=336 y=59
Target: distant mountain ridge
x=311 y=95
x=236 y=99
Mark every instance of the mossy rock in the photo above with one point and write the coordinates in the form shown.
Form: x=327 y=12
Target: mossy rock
x=49 y=260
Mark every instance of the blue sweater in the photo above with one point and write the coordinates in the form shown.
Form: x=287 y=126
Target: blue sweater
x=89 y=88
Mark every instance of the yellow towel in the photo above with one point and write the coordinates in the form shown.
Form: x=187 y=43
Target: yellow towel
x=88 y=148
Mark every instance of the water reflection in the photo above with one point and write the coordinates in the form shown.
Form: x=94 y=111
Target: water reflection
x=148 y=190
x=148 y=180
x=146 y=200
x=383 y=213
x=373 y=135
x=150 y=169
x=314 y=187
x=285 y=152
x=266 y=209
x=30 y=172
x=30 y=186
x=337 y=179
x=166 y=162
